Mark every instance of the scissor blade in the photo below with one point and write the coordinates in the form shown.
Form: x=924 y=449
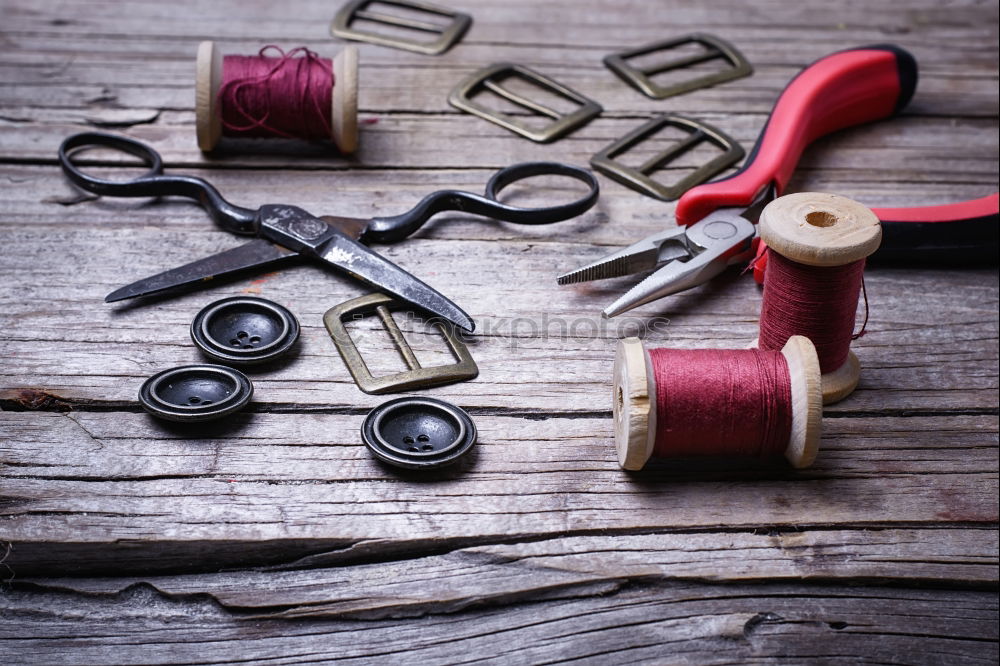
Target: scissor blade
x=369 y=267
x=257 y=253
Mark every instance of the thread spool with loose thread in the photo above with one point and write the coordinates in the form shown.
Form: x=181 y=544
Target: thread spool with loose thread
x=816 y=249
x=674 y=402
x=292 y=95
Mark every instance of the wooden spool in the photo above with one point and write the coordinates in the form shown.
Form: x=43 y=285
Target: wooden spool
x=634 y=406
x=344 y=106
x=823 y=230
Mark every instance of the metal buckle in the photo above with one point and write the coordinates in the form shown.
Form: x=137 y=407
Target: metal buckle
x=638 y=179
x=414 y=378
x=639 y=78
x=488 y=77
x=358 y=9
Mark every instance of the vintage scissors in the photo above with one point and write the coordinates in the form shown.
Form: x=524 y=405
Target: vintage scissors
x=716 y=222
x=287 y=233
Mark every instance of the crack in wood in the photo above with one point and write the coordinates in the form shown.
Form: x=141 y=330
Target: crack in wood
x=45 y=401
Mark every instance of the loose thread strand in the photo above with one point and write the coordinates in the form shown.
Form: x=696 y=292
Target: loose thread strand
x=283 y=95
x=864 y=324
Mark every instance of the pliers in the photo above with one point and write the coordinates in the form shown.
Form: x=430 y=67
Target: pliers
x=717 y=221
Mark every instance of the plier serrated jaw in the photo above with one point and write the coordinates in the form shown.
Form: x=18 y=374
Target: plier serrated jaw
x=681 y=258
x=644 y=255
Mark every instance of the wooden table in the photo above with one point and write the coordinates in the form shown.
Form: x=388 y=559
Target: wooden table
x=274 y=536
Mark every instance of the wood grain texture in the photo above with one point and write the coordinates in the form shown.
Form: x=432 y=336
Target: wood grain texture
x=495 y=574
x=304 y=480
x=276 y=538
x=679 y=623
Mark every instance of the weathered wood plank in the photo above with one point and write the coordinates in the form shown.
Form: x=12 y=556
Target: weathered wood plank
x=32 y=196
x=494 y=574
x=961 y=35
x=149 y=499
x=104 y=86
x=637 y=623
x=559 y=355
x=58 y=83
x=536 y=548
x=104 y=233
x=896 y=151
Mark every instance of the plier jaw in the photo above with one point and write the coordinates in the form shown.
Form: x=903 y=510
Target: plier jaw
x=645 y=255
x=680 y=258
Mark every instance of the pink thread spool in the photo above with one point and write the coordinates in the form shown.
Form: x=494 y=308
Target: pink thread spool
x=813 y=288
x=343 y=106
x=638 y=425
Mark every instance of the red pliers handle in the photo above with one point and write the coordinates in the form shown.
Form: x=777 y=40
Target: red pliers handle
x=843 y=89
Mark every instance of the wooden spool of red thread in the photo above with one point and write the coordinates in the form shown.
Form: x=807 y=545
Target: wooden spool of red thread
x=344 y=98
x=830 y=232
x=635 y=399
x=635 y=392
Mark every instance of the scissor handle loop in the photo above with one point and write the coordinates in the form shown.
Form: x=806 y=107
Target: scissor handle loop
x=103 y=186
x=152 y=183
x=548 y=214
x=398 y=227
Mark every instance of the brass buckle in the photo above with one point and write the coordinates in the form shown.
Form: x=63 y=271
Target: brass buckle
x=639 y=78
x=489 y=78
x=358 y=9
x=414 y=378
x=638 y=178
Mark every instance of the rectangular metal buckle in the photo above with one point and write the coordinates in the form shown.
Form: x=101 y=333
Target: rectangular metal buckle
x=489 y=78
x=358 y=9
x=414 y=378
x=639 y=78
x=638 y=179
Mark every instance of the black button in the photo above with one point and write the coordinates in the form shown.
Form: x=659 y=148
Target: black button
x=418 y=433
x=195 y=393
x=243 y=330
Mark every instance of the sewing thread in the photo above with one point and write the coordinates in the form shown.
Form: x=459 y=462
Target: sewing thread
x=277 y=95
x=819 y=302
x=721 y=402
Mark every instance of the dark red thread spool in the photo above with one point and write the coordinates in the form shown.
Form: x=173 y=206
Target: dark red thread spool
x=297 y=95
x=817 y=245
x=670 y=403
